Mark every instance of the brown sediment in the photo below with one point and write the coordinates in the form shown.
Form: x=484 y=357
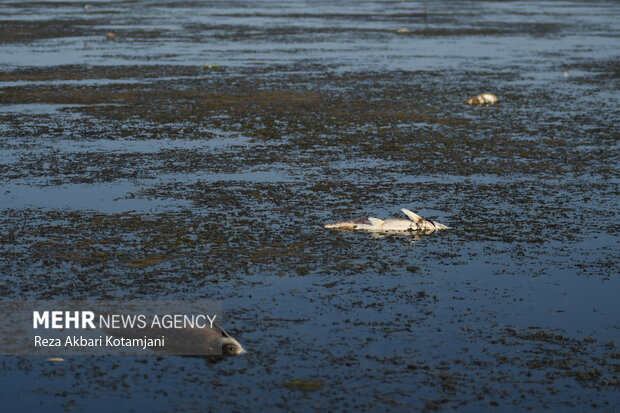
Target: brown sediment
x=20 y=31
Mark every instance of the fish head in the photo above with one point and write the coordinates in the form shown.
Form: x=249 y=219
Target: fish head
x=230 y=346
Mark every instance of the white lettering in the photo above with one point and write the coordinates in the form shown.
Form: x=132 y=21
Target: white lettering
x=46 y=342
x=38 y=319
x=75 y=319
x=87 y=319
x=57 y=319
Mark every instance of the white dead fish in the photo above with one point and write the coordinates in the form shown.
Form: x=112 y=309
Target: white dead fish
x=483 y=99
x=403 y=30
x=414 y=223
x=55 y=359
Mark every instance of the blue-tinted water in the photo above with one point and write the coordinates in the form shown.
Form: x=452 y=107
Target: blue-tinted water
x=318 y=112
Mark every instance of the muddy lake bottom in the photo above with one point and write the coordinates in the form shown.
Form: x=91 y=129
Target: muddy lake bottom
x=198 y=154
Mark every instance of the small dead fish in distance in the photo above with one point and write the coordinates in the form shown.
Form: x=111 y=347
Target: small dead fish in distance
x=483 y=99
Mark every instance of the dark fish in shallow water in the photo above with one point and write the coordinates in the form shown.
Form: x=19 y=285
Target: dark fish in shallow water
x=187 y=341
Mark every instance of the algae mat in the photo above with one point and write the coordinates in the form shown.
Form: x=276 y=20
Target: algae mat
x=198 y=153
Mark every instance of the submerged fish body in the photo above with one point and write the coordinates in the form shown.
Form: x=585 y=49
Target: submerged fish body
x=414 y=223
x=230 y=346
x=218 y=338
x=483 y=99
x=187 y=341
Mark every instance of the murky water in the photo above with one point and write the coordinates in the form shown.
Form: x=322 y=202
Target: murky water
x=133 y=168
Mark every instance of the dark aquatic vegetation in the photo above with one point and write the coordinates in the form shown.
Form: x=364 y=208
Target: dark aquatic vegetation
x=128 y=169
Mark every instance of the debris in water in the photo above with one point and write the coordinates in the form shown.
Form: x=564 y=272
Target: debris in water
x=483 y=99
x=187 y=341
x=414 y=223
x=306 y=385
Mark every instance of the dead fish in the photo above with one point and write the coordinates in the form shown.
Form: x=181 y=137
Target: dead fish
x=414 y=223
x=203 y=341
x=483 y=99
x=403 y=30
x=187 y=341
x=110 y=35
x=230 y=346
x=55 y=359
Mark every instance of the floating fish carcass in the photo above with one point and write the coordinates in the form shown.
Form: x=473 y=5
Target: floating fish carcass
x=202 y=341
x=483 y=99
x=413 y=223
x=193 y=341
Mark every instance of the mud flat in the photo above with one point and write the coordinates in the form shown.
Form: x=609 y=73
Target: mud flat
x=133 y=168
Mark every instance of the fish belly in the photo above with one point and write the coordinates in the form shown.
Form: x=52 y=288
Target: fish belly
x=396 y=224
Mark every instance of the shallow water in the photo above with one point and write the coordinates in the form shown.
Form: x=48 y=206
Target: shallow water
x=115 y=151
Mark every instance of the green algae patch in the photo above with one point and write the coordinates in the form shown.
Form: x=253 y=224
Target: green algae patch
x=305 y=385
